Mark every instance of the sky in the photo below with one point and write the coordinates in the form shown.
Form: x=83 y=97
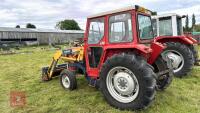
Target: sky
x=46 y=13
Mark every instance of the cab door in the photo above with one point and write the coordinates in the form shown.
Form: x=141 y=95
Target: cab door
x=95 y=39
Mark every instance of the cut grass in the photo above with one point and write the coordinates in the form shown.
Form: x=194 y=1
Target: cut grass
x=21 y=72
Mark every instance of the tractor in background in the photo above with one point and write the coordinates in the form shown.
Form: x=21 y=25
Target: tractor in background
x=180 y=49
x=119 y=56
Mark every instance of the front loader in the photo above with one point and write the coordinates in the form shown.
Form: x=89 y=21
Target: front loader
x=117 y=58
x=69 y=56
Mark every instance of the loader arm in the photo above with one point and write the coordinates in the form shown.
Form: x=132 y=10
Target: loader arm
x=75 y=54
x=54 y=62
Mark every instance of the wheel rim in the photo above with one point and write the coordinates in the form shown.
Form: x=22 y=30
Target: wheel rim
x=176 y=58
x=65 y=81
x=122 y=84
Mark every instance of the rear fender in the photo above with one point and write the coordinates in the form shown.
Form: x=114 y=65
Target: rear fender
x=138 y=49
x=182 y=39
x=157 y=49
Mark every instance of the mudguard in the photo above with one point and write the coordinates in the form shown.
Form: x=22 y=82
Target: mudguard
x=182 y=39
x=157 y=49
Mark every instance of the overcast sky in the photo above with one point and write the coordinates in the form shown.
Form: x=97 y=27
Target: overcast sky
x=45 y=13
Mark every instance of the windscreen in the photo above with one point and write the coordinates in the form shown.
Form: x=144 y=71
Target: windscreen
x=165 y=26
x=145 y=27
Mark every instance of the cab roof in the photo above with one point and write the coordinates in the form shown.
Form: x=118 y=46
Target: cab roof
x=113 y=11
x=165 y=15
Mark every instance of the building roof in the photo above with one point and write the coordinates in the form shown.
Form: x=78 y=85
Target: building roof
x=9 y=29
x=112 y=11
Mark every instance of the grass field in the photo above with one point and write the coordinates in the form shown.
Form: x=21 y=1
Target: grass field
x=21 y=72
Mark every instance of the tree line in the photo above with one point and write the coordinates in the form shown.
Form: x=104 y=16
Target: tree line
x=62 y=25
x=194 y=28
x=68 y=24
x=28 y=25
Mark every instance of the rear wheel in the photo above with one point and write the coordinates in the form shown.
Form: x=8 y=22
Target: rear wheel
x=127 y=82
x=181 y=56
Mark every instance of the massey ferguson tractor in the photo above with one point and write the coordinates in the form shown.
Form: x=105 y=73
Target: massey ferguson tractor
x=180 y=49
x=119 y=56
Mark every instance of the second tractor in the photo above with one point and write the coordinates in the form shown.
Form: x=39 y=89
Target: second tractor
x=180 y=49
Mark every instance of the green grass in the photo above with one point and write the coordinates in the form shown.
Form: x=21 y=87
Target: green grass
x=21 y=72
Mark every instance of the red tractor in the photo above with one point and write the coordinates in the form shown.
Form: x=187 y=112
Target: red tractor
x=120 y=57
x=180 y=49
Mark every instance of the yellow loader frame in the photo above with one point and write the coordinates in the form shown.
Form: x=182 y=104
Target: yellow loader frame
x=74 y=54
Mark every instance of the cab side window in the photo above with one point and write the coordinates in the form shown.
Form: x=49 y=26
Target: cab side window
x=145 y=27
x=96 y=31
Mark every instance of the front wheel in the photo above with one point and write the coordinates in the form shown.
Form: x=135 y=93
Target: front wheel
x=127 y=82
x=68 y=80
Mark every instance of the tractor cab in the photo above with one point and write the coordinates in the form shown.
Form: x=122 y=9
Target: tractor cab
x=125 y=25
x=114 y=31
x=167 y=25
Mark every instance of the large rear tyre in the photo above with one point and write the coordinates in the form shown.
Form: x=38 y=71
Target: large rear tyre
x=181 y=56
x=68 y=80
x=163 y=81
x=127 y=82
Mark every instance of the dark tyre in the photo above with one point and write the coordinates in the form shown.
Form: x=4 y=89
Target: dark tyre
x=163 y=81
x=68 y=80
x=195 y=54
x=127 y=82
x=181 y=56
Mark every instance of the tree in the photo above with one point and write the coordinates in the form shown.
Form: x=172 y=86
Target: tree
x=187 y=24
x=29 y=25
x=68 y=25
x=193 y=21
x=197 y=28
x=154 y=13
x=17 y=26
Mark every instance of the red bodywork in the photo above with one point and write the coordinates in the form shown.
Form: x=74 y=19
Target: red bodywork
x=137 y=46
x=182 y=39
x=157 y=49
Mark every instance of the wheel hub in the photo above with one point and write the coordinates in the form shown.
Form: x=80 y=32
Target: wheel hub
x=65 y=81
x=177 y=60
x=124 y=83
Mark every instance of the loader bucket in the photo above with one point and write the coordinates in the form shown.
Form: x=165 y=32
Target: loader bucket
x=56 y=72
x=45 y=74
